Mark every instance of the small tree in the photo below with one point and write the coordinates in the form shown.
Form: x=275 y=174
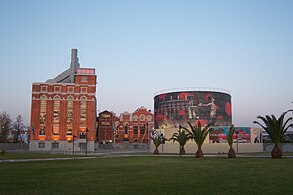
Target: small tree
x=18 y=126
x=181 y=137
x=276 y=129
x=5 y=127
x=198 y=134
x=231 y=152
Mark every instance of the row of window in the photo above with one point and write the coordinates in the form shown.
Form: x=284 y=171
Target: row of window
x=135 y=129
x=57 y=97
x=55 y=145
x=57 y=89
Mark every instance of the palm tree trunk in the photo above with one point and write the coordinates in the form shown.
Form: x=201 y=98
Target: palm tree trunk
x=182 y=150
x=199 y=153
x=231 y=153
x=156 y=152
x=276 y=152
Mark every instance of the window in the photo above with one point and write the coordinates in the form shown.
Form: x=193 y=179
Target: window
x=43 y=108
x=44 y=88
x=135 y=117
x=69 y=117
x=41 y=144
x=126 y=129
x=142 y=117
x=83 y=79
x=149 y=118
x=135 y=129
x=70 y=89
x=82 y=135
x=83 y=90
x=82 y=146
x=56 y=115
x=55 y=145
x=142 y=129
x=83 y=113
x=57 y=89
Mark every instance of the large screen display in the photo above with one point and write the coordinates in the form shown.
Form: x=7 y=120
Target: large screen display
x=178 y=108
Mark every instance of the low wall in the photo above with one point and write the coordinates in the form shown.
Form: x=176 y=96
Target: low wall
x=191 y=148
x=13 y=146
x=288 y=147
x=64 y=146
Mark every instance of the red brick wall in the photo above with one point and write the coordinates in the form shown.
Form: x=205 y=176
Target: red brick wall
x=63 y=94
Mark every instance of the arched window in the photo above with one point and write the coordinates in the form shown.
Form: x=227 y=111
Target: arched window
x=56 y=115
x=69 y=116
x=83 y=100
x=126 y=129
x=142 y=129
x=43 y=108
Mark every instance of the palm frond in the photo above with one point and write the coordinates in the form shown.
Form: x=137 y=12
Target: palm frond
x=181 y=136
x=275 y=128
x=197 y=133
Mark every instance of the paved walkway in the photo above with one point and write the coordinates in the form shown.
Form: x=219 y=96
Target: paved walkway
x=110 y=154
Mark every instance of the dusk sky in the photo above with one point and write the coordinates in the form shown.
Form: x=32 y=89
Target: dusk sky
x=139 y=47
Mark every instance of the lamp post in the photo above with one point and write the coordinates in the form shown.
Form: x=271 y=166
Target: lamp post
x=86 y=141
x=73 y=137
x=162 y=139
x=237 y=140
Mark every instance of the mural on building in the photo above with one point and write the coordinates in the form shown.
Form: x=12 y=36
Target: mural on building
x=172 y=109
x=219 y=135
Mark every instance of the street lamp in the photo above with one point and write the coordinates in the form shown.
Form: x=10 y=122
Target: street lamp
x=73 y=137
x=86 y=141
x=237 y=140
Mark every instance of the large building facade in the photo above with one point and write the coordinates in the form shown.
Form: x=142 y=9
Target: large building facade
x=128 y=128
x=63 y=110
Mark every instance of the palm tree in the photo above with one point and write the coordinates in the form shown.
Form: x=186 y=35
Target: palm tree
x=158 y=140
x=276 y=129
x=231 y=152
x=181 y=137
x=198 y=135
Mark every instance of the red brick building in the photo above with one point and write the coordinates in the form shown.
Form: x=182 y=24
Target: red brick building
x=108 y=122
x=128 y=128
x=63 y=109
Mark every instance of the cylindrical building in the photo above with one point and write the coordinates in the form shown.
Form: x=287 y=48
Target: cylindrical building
x=176 y=107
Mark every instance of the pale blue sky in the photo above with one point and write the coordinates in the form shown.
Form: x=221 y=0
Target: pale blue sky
x=141 y=47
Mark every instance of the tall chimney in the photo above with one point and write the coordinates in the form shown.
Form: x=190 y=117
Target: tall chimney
x=74 y=64
x=74 y=60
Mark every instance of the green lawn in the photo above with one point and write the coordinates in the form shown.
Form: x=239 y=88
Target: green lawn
x=149 y=175
x=11 y=155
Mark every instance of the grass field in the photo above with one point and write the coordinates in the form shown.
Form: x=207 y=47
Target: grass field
x=32 y=156
x=149 y=175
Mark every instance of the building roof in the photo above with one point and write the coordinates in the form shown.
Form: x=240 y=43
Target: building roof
x=68 y=75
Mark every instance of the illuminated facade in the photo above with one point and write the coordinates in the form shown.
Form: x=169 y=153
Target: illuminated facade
x=63 y=109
